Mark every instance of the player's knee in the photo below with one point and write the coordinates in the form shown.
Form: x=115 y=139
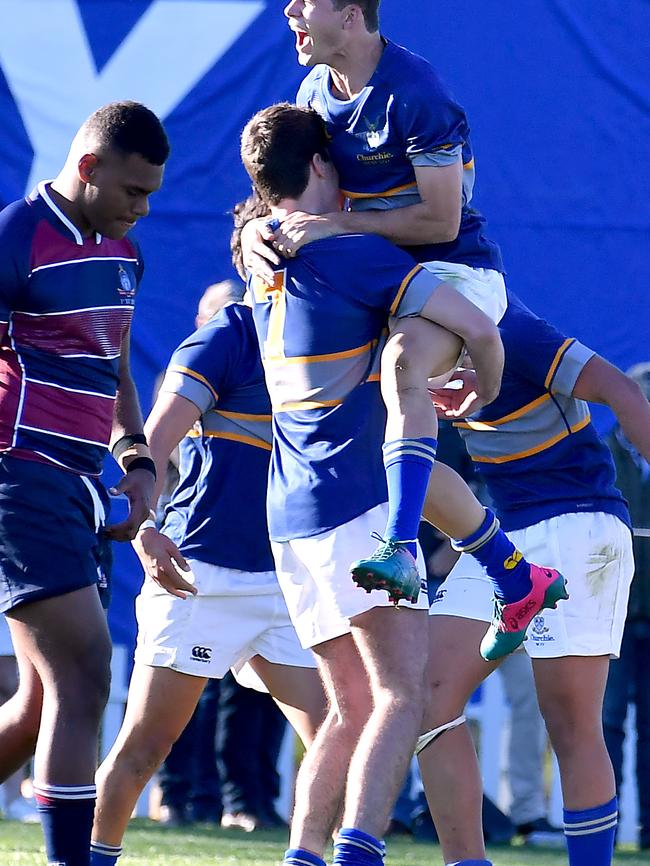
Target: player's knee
x=403 y=688
x=418 y=350
x=143 y=761
x=569 y=726
x=441 y=703
x=350 y=716
x=399 y=363
x=88 y=674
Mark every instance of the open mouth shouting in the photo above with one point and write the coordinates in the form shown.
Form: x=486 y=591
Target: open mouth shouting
x=304 y=42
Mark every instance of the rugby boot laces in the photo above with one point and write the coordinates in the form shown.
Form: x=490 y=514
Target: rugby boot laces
x=507 y=630
x=391 y=567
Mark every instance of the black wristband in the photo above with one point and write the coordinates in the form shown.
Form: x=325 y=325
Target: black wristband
x=142 y=463
x=125 y=442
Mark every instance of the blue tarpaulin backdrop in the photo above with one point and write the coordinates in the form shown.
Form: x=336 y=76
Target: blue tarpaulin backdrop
x=557 y=92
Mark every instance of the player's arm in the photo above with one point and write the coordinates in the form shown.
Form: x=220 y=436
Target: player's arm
x=602 y=382
x=138 y=481
x=433 y=220
x=170 y=419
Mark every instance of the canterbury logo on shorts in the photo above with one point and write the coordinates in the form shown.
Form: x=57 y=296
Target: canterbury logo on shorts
x=201 y=653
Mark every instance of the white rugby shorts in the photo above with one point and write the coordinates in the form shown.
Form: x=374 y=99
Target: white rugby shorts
x=314 y=574
x=207 y=634
x=484 y=287
x=594 y=553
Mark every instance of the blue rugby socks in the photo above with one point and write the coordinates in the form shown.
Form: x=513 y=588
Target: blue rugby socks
x=504 y=564
x=301 y=857
x=590 y=834
x=355 y=848
x=67 y=819
x=408 y=464
x=104 y=855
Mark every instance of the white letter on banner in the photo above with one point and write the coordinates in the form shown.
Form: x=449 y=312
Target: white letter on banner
x=48 y=64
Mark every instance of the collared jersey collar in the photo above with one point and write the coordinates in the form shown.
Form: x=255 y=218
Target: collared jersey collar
x=42 y=191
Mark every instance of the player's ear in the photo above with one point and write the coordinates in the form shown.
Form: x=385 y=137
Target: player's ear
x=319 y=165
x=86 y=167
x=351 y=15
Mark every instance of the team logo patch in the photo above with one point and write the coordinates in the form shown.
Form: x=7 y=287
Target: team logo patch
x=126 y=290
x=201 y=653
x=374 y=138
x=376 y=132
x=513 y=560
x=538 y=625
x=539 y=631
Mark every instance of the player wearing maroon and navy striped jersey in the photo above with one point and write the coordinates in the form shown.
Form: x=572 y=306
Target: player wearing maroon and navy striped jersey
x=68 y=279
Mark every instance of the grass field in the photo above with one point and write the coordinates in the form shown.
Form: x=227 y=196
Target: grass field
x=146 y=844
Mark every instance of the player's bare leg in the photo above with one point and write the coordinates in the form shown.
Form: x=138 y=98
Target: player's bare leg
x=160 y=704
x=448 y=764
x=570 y=692
x=416 y=350
x=66 y=640
x=20 y=718
x=298 y=692
x=394 y=646
x=320 y=785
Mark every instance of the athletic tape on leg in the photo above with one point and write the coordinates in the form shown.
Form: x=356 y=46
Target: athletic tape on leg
x=430 y=736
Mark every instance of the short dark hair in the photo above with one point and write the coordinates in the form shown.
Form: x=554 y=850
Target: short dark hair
x=277 y=147
x=244 y=211
x=129 y=127
x=370 y=9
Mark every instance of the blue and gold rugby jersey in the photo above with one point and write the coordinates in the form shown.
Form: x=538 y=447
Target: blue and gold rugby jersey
x=535 y=445
x=66 y=303
x=218 y=515
x=404 y=117
x=321 y=327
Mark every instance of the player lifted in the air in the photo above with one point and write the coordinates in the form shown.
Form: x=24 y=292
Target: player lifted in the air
x=401 y=146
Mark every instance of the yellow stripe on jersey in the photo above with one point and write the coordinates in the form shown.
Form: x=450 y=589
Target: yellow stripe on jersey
x=403 y=287
x=556 y=361
x=388 y=192
x=307 y=404
x=518 y=413
x=194 y=375
x=238 y=437
x=242 y=416
x=543 y=446
x=300 y=405
x=334 y=356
